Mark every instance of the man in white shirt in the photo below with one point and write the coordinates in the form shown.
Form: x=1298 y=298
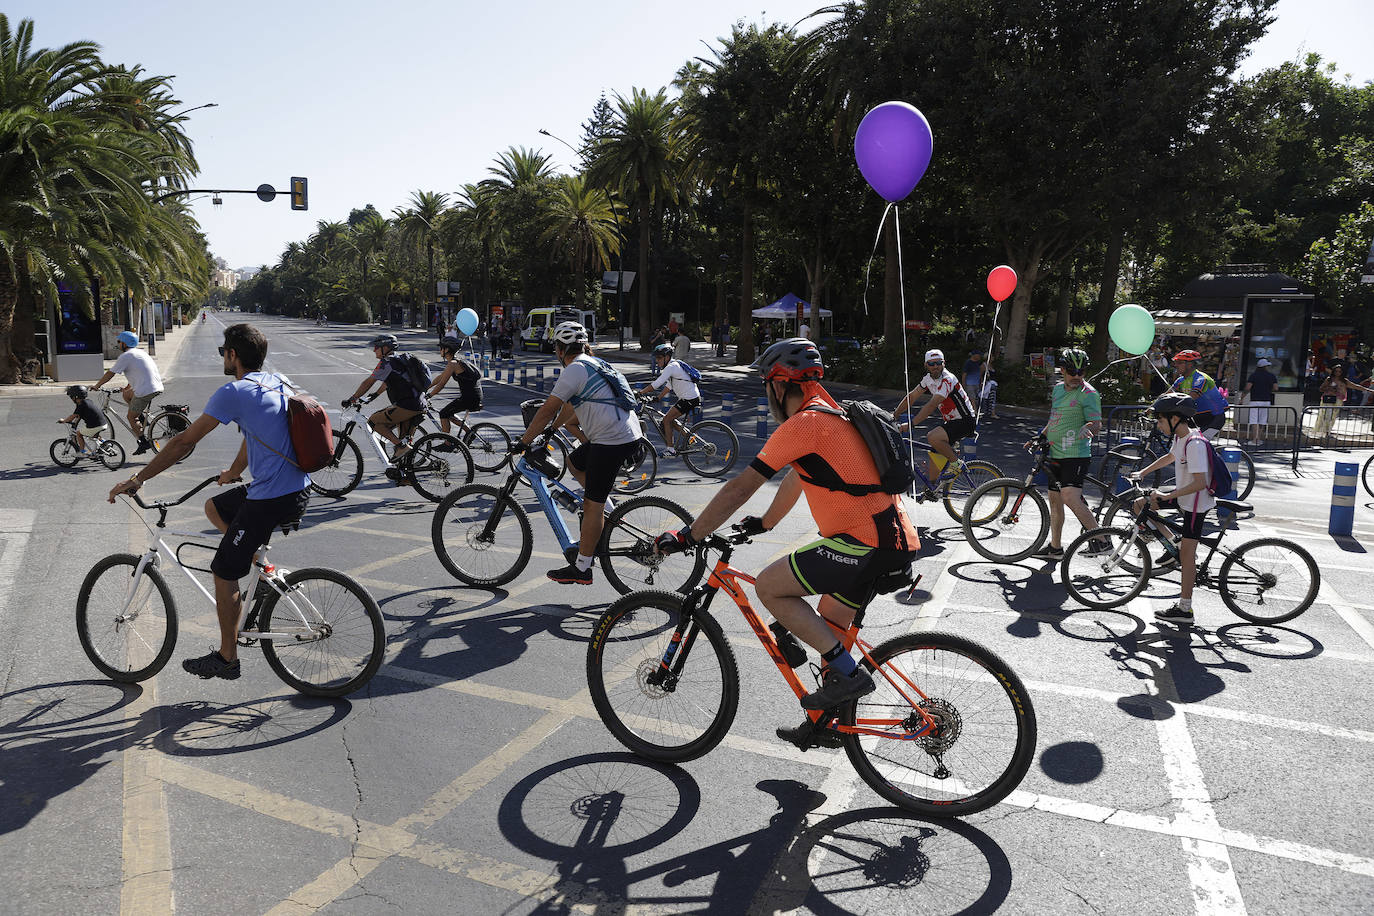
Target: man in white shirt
x=943 y=393
x=145 y=383
x=682 y=345
x=673 y=375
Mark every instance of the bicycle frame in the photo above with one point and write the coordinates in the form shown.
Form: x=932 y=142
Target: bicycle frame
x=726 y=577
x=359 y=418
x=1144 y=521
x=539 y=482
x=116 y=416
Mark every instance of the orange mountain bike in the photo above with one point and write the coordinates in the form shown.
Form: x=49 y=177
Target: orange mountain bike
x=949 y=731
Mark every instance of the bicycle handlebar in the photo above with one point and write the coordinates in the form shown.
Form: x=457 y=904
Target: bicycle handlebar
x=165 y=504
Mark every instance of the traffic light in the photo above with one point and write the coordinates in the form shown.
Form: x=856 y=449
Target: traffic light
x=298 y=196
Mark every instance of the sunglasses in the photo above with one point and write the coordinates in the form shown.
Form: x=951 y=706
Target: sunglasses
x=1070 y=370
x=222 y=350
x=937 y=362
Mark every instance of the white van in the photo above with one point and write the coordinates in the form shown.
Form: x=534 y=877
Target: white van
x=537 y=330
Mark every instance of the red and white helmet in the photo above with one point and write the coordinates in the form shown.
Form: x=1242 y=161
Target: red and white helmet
x=1187 y=356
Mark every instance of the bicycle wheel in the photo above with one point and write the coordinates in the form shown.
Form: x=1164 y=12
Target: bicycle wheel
x=63 y=451
x=1367 y=475
x=489 y=446
x=627 y=547
x=709 y=448
x=1269 y=580
x=110 y=453
x=1006 y=521
x=127 y=628
x=436 y=464
x=165 y=427
x=343 y=474
x=983 y=739
x=1113 y=468
x=482 y=536
x=639 y=470
x=1244 y=479
x=957 y=491
x=1105 y=567
x=673 y=713
x=336 y=639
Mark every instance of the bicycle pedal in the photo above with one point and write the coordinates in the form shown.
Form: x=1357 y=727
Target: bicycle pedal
x=246 y=641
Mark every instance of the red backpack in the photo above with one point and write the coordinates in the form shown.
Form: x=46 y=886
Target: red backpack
x=312 y=435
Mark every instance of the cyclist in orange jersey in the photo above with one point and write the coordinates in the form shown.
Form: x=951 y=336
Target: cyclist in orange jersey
x=862 y=537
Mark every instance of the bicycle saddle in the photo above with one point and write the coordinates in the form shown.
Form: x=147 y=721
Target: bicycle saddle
x=1233 y=505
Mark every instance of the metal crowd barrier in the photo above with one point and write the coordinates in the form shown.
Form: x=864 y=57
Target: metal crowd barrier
x=1280 y=433
x=1340 y=427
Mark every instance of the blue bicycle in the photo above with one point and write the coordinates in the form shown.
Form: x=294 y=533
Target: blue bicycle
x=482 y=533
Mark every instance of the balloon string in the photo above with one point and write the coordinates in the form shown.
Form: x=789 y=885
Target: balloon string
x=987 y=367
x=901 y=296
x=872 y=254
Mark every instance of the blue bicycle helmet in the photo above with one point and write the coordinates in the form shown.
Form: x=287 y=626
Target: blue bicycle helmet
x=128 y=339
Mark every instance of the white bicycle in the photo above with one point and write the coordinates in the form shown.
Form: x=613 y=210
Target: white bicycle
x=320 y=631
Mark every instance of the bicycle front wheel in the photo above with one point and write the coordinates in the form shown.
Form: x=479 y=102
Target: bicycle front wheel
x=336 y=639
x=489 y=446
x=710 y=448
x=481 y=535
x=1006 y=521
x=957 y=491
x=110 y=453
x=639 y=470
x=1269 y=580
x=1106 y=567
x=165 y=427
x=63 y=451
x=344 y=471
x=127 y=626
x=982 y=741
x=664 y=698
x=436 y=464
x=627 y=547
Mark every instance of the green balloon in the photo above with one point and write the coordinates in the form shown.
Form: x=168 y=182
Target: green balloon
x=1132 y=329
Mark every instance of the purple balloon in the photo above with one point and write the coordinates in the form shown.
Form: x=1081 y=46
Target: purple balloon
x=892 y=147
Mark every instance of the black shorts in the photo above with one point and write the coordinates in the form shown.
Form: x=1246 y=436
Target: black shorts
x=459 y=404
x=601 y=465
x=1066 y=472
x=844 y=568
x=958 y=429
x=251 y=523
x=1206 y=420
x=685 y=406
x=1192 y=521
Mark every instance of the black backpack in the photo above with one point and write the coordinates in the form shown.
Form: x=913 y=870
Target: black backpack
x=886 y=444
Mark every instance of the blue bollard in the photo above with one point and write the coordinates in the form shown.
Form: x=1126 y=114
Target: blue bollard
x=1232 y=458
x=969 y=447
x=1342 y=523
x=1121 y=484
x=761 y=419
x=524 y=373
x=539 y=374
x=510 y=372
x=727 y=407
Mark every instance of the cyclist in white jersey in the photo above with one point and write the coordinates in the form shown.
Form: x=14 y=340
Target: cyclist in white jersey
x=943 y=391
x=673 y=377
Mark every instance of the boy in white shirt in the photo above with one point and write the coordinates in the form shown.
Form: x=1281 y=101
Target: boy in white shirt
x=672 y=376
x=1192 y=474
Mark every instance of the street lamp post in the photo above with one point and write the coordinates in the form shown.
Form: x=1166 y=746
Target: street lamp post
x=701 y=276
x=620 y=244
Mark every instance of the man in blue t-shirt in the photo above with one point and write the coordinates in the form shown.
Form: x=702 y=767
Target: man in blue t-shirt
x=1259 y=393
x=277 y=495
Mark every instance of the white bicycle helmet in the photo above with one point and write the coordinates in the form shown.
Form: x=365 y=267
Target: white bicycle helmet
x=569 y=332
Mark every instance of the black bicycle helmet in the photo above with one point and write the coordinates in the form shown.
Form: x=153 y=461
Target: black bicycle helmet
x=793 y=360
x=383 y=340
x=1074 y=357
x=1174 y=404
x=77 y=392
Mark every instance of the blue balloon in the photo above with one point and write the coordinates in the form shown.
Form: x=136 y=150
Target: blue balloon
x=467 y=321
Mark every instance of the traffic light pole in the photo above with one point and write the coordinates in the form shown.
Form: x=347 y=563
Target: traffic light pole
x=265 y=193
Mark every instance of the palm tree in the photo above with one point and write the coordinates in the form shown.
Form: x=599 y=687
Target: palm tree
x=476 y=216
x=581 y=225
x=419 y=225
x=521 y=191
x=641 y=154
x=368 y=241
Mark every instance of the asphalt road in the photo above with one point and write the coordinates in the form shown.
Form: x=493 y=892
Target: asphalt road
x=1226 y=770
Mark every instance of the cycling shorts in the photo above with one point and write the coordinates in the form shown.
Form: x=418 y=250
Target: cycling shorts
x=957 y=429
x=1192 y=521
x=1209 y=423
x=685 y=406
x=459 y=404
x=844 y=568
x=1066 y=472
x=251 y=522
x=601 y=464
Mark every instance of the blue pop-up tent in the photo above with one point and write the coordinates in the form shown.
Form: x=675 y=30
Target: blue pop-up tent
x=786 y=308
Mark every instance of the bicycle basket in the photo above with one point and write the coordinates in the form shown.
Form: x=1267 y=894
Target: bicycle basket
x=529 y=408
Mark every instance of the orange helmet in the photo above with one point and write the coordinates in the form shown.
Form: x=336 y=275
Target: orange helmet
x=1187 y=356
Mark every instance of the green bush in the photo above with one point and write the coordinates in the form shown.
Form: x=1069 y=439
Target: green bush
x=1021 y=386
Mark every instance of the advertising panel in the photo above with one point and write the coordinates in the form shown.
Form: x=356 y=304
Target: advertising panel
x=1277 y=328
x=76 y=333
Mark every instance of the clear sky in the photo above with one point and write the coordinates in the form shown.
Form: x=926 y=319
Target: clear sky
x=372 y=101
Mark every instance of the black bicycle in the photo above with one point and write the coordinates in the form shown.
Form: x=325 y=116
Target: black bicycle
x=1127 y=459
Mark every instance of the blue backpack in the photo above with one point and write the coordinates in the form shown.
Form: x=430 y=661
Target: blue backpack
x=692 y=373
x=1219 y=482
x=609 y=388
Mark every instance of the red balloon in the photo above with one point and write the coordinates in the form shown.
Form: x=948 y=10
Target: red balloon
x=1001 y=282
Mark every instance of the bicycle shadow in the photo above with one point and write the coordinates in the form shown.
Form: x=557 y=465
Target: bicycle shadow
x=36 y=470
x=590 y=815
x=55 y=736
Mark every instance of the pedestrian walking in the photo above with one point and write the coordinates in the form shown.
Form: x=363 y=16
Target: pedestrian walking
x=1259 y=393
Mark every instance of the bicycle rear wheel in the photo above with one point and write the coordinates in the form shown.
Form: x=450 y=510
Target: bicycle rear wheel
x=489 y=446
x=1006 y=520
x=709 y=448
x=481 y=536
x=1367 y=476
x=957 y=491
x=627 y=547
x=664 y=708
x=1106 y=567
x=343 y=474
x=165 y=427
x=127 y=628
x=983 y=739
x=337 y=639
x=436 y=464
x=1269 y=580
x=639 y=470
x=63 y=451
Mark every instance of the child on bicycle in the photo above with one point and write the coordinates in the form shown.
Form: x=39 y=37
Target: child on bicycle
x=673 y=375
x=942 y=390
x=1174 y=414
x=467 y=376
x=92 y=419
